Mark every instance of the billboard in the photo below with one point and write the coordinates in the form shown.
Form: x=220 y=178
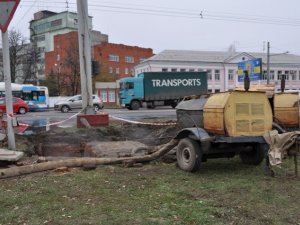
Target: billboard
x=254 y=68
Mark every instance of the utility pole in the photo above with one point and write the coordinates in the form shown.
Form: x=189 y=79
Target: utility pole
x=84 y=40
x=8 y=93
x=7 y=10
x=268 y=63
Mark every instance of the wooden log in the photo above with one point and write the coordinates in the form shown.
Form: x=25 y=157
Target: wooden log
x=81 y=162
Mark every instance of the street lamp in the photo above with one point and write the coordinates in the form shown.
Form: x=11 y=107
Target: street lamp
x=268 y=62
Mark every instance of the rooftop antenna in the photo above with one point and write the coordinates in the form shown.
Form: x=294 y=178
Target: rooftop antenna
x=67 y=5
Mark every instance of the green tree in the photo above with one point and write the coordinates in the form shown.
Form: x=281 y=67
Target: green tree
x=52 y=82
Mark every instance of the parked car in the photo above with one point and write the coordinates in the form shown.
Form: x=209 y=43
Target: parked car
x=75 y=102
x=19 y=106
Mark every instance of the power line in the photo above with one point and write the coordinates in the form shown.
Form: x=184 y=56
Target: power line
x=181 y=13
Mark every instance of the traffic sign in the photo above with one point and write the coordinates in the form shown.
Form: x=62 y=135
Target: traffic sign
x=7 y=10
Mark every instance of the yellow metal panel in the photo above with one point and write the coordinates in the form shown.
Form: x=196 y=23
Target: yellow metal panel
x=247 y=113
x=285 y=100
x=217 y=101
x=289 y=117
x=213 y=120
x=286 y=109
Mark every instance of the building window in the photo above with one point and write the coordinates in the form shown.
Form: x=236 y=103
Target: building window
x=173 y=70
x=164 y=69
x=264 y=75
x=111 y=96
x=103 y=95
x=279 y=74
x=42 y=27
x=293 y=74
x=114 y=58
x=182 y=70
x=192 y=70
x=129 y=59
x=110 y=69
x=126 y=71
x=40 y=38
x=287 y=75
x=272 y=74
x=209 y=75
x=230 y=74
x=217 y=74
x=55 y=23
x=117 y=70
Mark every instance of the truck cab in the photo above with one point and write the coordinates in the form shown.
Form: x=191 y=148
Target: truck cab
x=131 y=92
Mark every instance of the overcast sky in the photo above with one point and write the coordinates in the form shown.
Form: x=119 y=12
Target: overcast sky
x=211 y=25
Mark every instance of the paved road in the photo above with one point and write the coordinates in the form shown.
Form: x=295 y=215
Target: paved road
x=44 y=120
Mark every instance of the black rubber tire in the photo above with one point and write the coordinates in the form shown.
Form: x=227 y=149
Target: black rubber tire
x=150 y=105
x=173 y=105
x=189 y=155
x=255 y=156
x=135 y=105
x=22 y=110
x=96 y=107
x=65 y=109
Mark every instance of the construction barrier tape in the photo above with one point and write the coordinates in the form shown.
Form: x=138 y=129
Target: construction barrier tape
x=143 y=123
x=112 y=117
x=50 y=124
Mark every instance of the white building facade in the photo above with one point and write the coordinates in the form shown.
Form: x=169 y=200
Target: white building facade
x=221 y=67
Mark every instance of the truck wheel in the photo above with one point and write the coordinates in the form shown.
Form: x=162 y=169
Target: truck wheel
x=173 y=105
x=189 y=155
x=255 y=156
x=135 y=105
x=150 y=105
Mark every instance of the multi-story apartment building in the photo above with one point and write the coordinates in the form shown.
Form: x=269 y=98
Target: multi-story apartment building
x=46 y=25
x=115 y=61
x=222 y=67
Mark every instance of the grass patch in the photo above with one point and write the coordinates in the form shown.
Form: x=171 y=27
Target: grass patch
x=221 y=192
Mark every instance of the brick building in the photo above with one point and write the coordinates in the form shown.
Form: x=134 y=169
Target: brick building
x=54 y=60
x=118 y=60
x=115 y=61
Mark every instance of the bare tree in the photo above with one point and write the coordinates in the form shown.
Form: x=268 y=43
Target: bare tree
x=72 y=68
x=17 y=50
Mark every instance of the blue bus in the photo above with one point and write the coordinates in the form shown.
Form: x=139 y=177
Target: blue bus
x=37 y=97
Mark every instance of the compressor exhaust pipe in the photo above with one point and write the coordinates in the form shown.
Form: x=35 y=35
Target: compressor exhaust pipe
x=246 y=81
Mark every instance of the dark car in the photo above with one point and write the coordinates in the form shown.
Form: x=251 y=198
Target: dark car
x=19 y=106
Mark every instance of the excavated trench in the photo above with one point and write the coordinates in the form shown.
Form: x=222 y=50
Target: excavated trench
x=117 y=140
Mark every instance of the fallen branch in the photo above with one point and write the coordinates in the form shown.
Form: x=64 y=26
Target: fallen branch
x=81 y=162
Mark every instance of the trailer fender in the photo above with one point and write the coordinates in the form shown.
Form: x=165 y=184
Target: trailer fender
x=199 y=133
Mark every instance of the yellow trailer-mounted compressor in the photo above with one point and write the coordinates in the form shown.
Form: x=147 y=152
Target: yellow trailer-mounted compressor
x=238 y=113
